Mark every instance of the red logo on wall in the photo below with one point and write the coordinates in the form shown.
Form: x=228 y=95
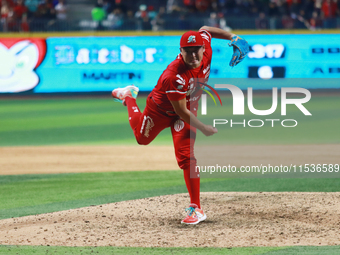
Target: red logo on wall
x=19 y=59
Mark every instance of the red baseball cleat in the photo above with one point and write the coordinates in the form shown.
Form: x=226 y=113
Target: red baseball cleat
x=195 y=215
x=120 y=94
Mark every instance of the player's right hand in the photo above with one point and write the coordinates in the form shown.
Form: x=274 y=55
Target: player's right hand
x=209 y=130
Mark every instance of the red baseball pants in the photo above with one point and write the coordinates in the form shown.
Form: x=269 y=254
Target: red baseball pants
x=147 y=125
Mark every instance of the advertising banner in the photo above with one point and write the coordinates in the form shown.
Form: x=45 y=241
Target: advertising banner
x=91 y=64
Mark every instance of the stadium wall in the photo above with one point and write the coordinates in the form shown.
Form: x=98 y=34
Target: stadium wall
x=100 y=61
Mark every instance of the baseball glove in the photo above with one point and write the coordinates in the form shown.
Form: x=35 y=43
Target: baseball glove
x=241 y=49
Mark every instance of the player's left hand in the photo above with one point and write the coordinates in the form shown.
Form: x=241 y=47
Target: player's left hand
x=241 y=49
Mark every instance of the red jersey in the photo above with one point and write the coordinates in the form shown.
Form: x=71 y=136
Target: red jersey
x=178 y=80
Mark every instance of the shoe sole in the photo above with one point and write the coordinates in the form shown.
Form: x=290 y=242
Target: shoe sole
x=194 y=223
x=128 y=87
x=134 y=88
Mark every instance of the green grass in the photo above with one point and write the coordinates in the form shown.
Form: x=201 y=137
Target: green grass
x=102 y=121
x=301 y=250
x=67 y=121
x=31 y=194
x=34 y=194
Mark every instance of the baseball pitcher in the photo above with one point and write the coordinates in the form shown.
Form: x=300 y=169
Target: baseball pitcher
x=168 y=104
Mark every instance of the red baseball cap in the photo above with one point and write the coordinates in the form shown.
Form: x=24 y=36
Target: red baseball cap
x=190 y=39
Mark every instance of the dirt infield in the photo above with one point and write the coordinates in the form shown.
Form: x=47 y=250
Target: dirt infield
x=81 y=159
x=66 y=159
x=234 y=219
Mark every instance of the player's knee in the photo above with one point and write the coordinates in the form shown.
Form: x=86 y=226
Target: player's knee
x=185 y=163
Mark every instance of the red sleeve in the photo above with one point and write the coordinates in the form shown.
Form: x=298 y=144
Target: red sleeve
x=206 y=37
x=176 y=88
x=207 y=41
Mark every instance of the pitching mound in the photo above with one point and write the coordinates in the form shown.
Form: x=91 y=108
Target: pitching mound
x=234 y=219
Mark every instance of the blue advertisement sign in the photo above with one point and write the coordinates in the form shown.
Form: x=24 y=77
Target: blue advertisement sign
x=85 y=64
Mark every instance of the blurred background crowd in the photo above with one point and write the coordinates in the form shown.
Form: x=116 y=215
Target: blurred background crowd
x=158 y=15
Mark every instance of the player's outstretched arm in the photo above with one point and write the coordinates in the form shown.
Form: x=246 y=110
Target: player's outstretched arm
x=218 y=33
x=181 y=109
x=240 y=46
